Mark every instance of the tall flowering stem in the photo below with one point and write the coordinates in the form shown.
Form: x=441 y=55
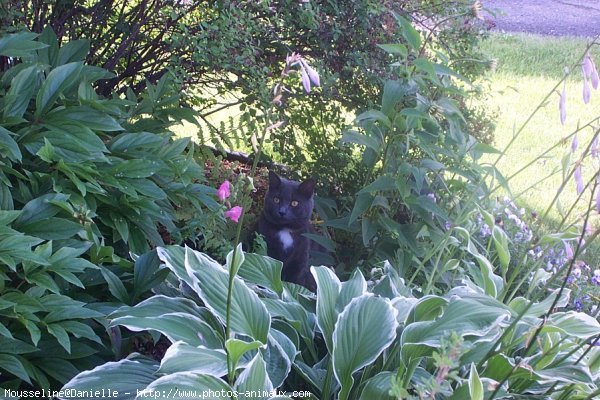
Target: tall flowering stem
x=308 y=76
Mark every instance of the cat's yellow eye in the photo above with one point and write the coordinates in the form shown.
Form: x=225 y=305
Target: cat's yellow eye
x=276 y=200
x=294 y=203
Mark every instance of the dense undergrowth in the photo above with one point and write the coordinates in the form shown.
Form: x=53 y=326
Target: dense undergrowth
x=445 y=291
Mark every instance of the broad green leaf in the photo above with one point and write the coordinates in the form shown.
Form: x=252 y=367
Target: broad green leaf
x=9 y=147
x=475 y=316
x=125 y=376
x=182 y=357
x=61 y=335
x=188 y=385
x=263 y=271
x=19 y=44
x=501 y=244
x=362 y=203
x=576 y=324
x=393 y=93
x=57 y=81
x=249 y=315
x=115 y=286
x=234 y=259
x=361 y=139
x=411 y=35
x=80 y=330
x=175 y=325
x=147 y=273
x=254 y=378
x=382 y=183
x=294 y=314
x=236 y=348
x=13 y=365
x=137 y=168
x=355 y=343
x=328 y=290
x=85 y=116
x=279 y=356
x=72 y=51
x=393 y=48
x=378 y=387
x=21 y=91
x=374 y=115
x=354 y=287
x=475 y=385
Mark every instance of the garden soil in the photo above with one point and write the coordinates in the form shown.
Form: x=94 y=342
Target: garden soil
x=545 y=17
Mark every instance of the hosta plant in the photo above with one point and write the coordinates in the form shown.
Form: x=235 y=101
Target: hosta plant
x=359 y=339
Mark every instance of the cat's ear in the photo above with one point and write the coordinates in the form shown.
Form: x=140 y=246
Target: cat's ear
x=307 y=188
x=274 y=180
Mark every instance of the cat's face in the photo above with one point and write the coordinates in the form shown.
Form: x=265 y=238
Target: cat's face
x=289 y=203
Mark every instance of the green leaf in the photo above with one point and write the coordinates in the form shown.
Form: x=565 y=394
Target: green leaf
x=501 y=244
x=328 y=290
x=475 y=385
x=395 y=49
x=209 y=279
x=61 y=335
x=411 y=35
x=147 y=273
x=382 y=183
x=234 y=259
x=576 y=324
x=355 y=343
x=374 y=115
x=80 y=330
x=19 y=44
x=8 y=146
x=361 y=139
x=72 y=51
x=182 y=357
x=278 y=356
x=137 y=168
x=84 y=116
x=378 y=387
x=125 y=376
x=115 y=286
x=57 y=81
x=362 y=203
x=13 y=365
x=22 y=88
x=189 y=382
x=254 y=378
x=236 y=348
x=176 y=319
x=393 y=93
x=263 y=271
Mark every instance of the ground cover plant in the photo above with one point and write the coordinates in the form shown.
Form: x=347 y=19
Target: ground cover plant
x=469 y=297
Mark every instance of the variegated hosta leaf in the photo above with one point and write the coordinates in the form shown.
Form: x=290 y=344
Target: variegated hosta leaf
x=125 y=376
x=182 y=357
x=210 y=280
x=363 y=330
x=188 y=385
x=475 y=316
x=254 y=379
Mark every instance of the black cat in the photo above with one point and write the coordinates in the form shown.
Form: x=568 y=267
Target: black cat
x=285 y=218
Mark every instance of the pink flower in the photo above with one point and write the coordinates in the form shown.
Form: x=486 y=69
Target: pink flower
x=578 y=180
x=234 y=213
x=224 y=191
x=562 y=106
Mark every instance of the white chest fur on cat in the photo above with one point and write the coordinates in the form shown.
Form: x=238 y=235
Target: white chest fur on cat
x=286 y=239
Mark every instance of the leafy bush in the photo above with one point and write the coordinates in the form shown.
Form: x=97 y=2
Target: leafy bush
x=274 y=334
x=87 y=182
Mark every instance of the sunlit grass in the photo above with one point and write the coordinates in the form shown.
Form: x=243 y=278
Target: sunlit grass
x=529 y=67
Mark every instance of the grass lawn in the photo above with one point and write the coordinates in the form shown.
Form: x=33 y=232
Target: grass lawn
x=529 y=67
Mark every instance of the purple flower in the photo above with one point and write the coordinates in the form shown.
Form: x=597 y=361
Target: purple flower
x=589 y=70
x=432 y=197
x=578 y=305
x=596 y=277
x=568 y=250
x=598 y=200
x=578 y=179
x=305 y=81
x=586 y=91
x=574 y=144
x=562 y=106
x=224 y=190
x=234 y=213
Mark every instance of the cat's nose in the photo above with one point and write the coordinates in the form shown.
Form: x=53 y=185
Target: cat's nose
x=281 y=213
